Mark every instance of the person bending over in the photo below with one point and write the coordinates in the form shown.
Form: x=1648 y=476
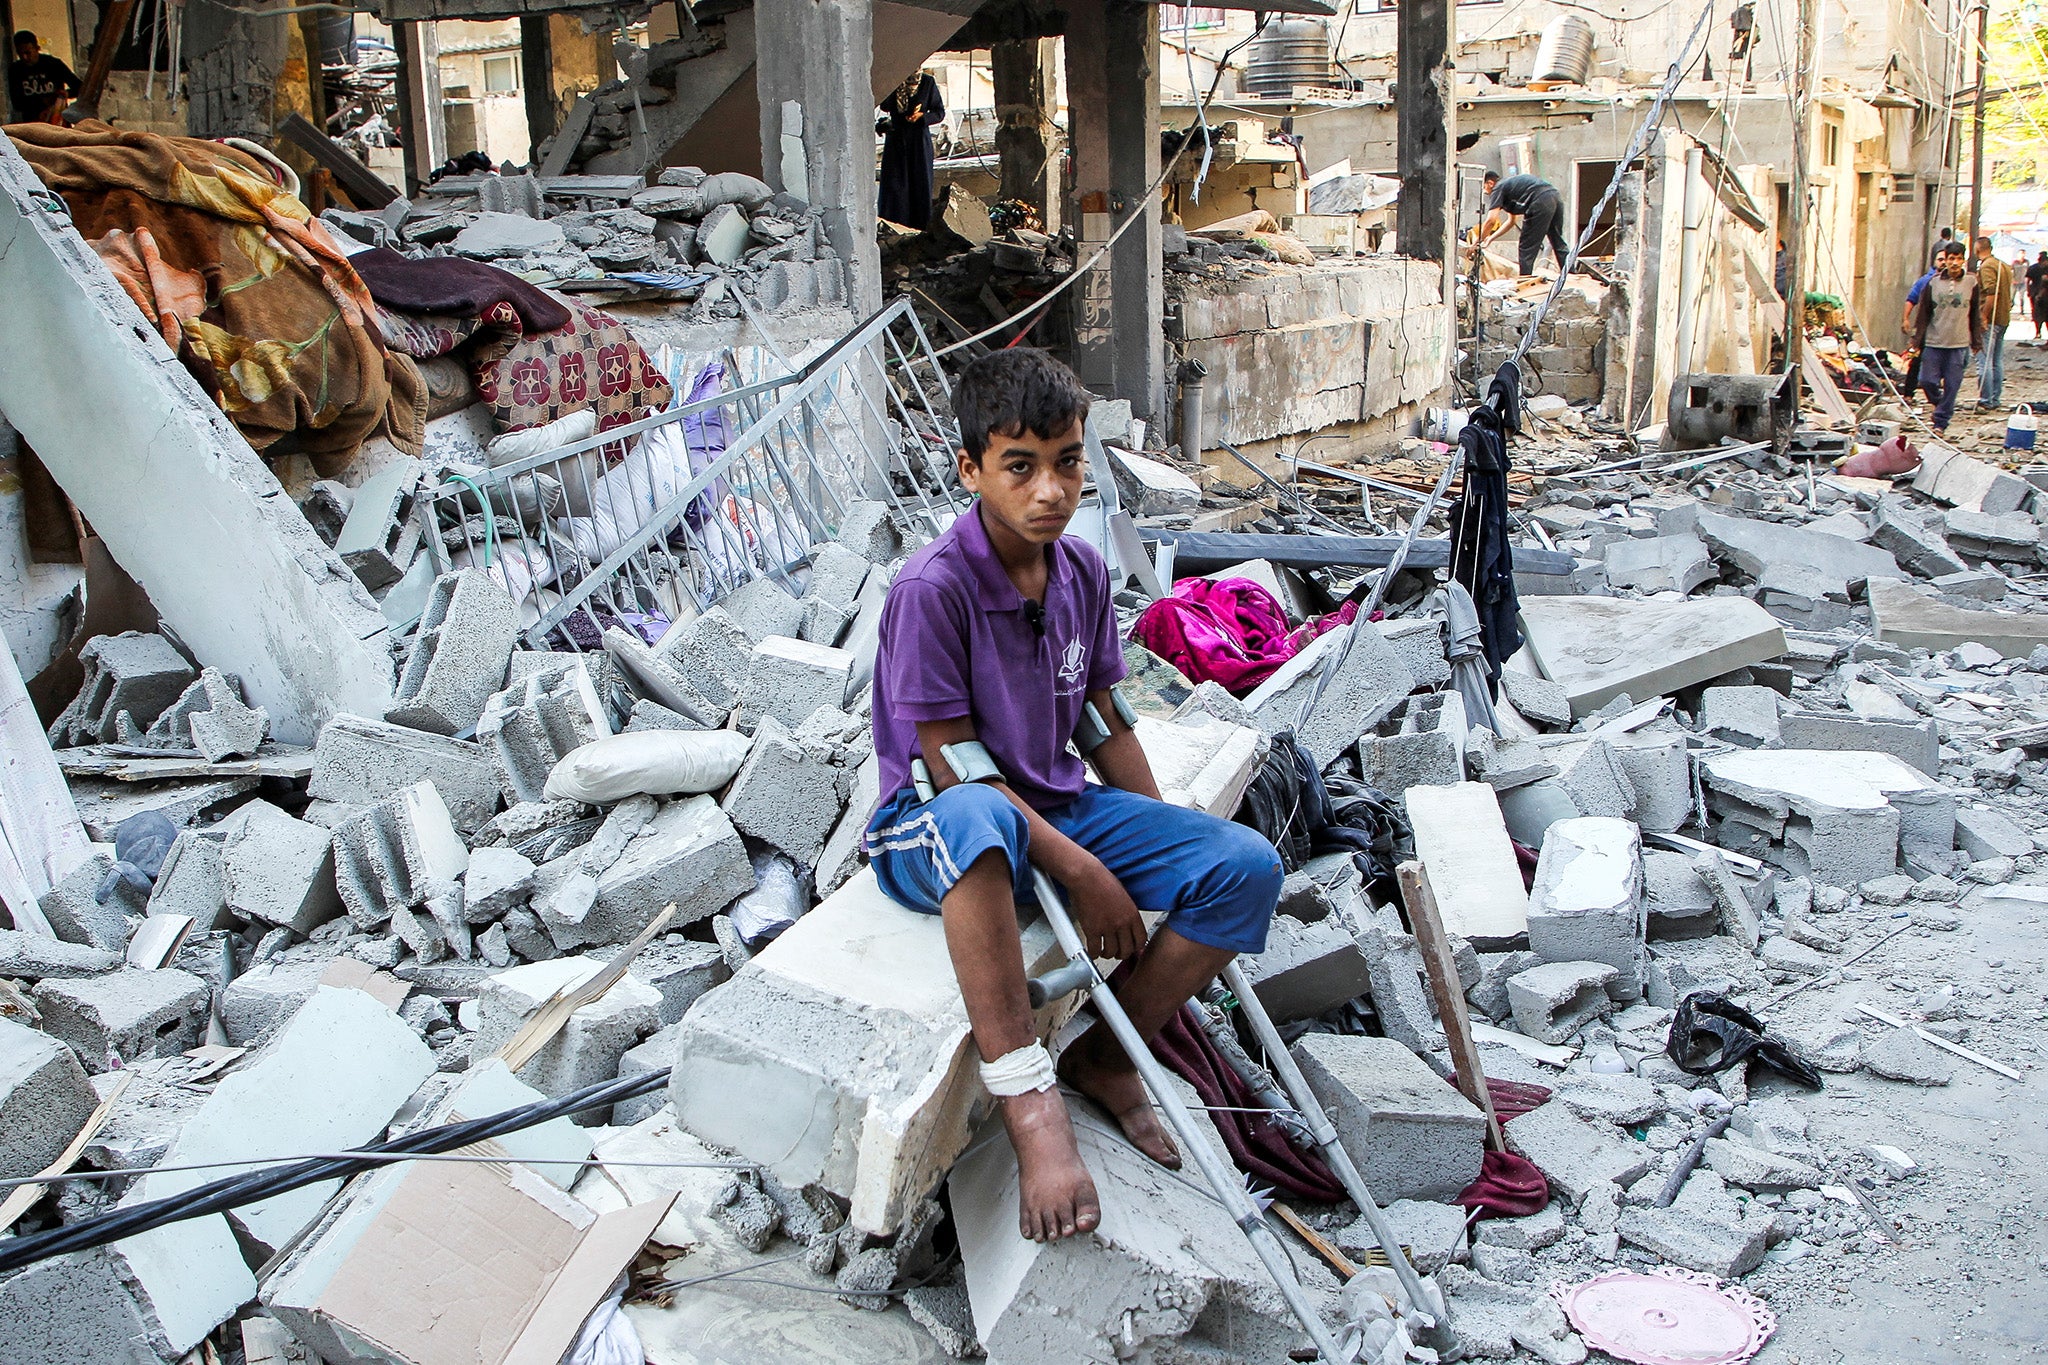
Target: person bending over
x=1540 y=207
x=996 y=635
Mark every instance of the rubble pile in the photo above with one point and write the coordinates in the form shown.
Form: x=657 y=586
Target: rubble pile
x=1767 y=724
x=682 y=236
x=1568 y=359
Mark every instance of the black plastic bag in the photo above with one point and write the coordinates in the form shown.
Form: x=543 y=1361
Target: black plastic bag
x=1712 y=1033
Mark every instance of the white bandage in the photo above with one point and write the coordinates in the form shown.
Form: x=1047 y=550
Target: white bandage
x=1022 y=1072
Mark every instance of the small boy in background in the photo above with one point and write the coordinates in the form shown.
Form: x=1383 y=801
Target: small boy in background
x=998 y=633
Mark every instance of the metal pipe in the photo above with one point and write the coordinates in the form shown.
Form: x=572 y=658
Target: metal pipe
x=1325 y=1134
x=1223 y=1179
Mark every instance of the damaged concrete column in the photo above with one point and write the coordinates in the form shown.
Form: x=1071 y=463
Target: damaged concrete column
x=1028 y=144
x=1425 y=115
x=422 y=115
x=148 y=457
x=1113 y=96
x=817 y=55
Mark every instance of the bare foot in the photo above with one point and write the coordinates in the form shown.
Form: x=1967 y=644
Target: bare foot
x=1113 y=1083
x=1055 y=1196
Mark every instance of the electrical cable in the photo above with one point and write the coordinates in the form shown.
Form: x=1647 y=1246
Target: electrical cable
x=235 y=1191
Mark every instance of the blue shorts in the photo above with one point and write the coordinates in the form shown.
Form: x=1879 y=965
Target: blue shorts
x=1216 y=882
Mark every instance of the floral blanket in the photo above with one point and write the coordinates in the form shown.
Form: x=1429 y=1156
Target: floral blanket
x=243 y=284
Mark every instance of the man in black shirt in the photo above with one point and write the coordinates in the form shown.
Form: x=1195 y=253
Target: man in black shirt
x=39 y=83
x=1537 y=203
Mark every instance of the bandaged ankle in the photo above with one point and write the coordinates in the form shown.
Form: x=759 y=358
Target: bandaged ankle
x=1022 y=1072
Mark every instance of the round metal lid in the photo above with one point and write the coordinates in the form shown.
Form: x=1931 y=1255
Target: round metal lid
x=1667 y=1316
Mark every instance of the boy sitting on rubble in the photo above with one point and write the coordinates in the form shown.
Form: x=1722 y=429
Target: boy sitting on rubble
x=995 y=635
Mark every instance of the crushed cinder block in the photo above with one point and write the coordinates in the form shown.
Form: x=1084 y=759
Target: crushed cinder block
x=278 y=870
x=1154 y=1277
x=209 y=716
x=1538 y=699
x=588 y=1048
x=1841 y=818
x=1915 y=741
x=1587 y=901
x=1914 y=544
x=1420 y=643
x=785 y=795
x=777 y=1064
x=398 y=855
x=1576 y=1157
x=263 y=999
x=1461 y=838
x=1489 y=994
x=1658 y=768
x=682 y=852
x=121 y=1016
x=459 y=654
x=44 y=1099
x=382 y=535
x=872 y=530
x=713 y=655
x=1677 y=901
x=1746 y=717
x=1400 y=1000
x=1373 y=682
x=121 y=1304
x=1306 y=969
x=77 y=915
x=1593 y=776
x=495 y=880
x=843 y=855
x=1651 y=564
x=1554 y=1001
x=791 y=678
x=358 y=762
x=680 y=970
x=533 y=724
x=1412 y=1135
x=1705 y=1229
x=762 y=608
x=134 y=675
x=1752 y=1168
x=1600 y=648
x=1422 y=744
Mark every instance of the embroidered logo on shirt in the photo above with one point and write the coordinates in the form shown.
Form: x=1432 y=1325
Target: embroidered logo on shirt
x=1073 y=663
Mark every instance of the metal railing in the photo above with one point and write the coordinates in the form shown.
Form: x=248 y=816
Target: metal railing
x=666 y=516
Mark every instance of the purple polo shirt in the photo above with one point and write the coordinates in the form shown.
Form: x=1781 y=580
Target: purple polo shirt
x=956 y=642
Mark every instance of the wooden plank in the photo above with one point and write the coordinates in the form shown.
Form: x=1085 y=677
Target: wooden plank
x=1428 y=926
x=1823 y=385
x=41 y=837
x=362 y=184
x=272 y=760
x=553 y=1014
x=1317 y=1242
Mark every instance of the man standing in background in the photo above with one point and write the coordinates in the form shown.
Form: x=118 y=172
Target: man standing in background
x=1948 y=324
x=1994 y=279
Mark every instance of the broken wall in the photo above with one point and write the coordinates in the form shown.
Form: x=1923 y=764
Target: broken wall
x=182 y=502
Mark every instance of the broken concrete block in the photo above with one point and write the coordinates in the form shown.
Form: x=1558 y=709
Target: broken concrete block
x=1916 y=741
x=1538 y=699
x=1153 y=1279
x=1587 y=901
x=1462 y=839
x=1422 y=744
x=1901 y=615
x=1576 y=1157
x=686 y=853
x=779 y=1064
x=837 y=574
x=130 y=674
x=1705 y=1229
x=1677 y=902
x=1411 y=1134
x=44 y=1099
x=1433 y=1233
x=490 y=236
x=2014 y=537
x=76 y=913
x=459 y=655
x=1658 y=769
x=791 y=678
x=1949 y=476
x=124 y=1015
x=382 y=534
x=1841 y=818
x=263 y=999
x=1593 y=776
x=1915 y=545
x=358 y=762
x=762 y=608
x=1753 y=1168
x=331 y=1079
x=1658 y=564
x=1599 y=648
x=98 y=1305
x=191 y=881
x=397 y=855
x=533 y=724
x=680 y=970
x=786 y=796
x=31 y=957
x=1484 y=1313
x=278 y=870
x=713 y=654
x=1899 y=1054
x=1306 y=969
x=1554 y=1001
x=496 y=880
x=658 y=1053
x=1983 y=833
x=873 y=530
x=1746 y=717
x=1373 y=682
x=210 y=717
x=588 y=1048
x=1420 y=643
x=843 y=855
x=1199 y=762
x=1400 y=1000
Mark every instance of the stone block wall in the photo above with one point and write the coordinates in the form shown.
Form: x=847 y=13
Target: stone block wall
x=1569 y=357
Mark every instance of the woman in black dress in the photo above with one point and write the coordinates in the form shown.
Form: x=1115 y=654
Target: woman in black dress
x=908 y=115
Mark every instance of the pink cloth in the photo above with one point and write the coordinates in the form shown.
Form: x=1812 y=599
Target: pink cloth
x=1229 y=631
x=1896 y=456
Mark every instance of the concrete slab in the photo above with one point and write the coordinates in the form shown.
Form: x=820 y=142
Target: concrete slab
x=1949 y=476
x=1755 y=547
x=1840 y=817
x=44 y=1099
x=1901 y=615
x=1658 y=564
x=1373 y=682
x=1199 y=762
x=1410 y=1132
x=1600 y=648
x=1462 y=840
x=1165 y=1257
x=1587 y=901
x=1575 y=1156
x=157 y=461
x=841 y=1055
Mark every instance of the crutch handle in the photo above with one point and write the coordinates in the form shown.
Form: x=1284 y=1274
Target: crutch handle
x=1076 y=975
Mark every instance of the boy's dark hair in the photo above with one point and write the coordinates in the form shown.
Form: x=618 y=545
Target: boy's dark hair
x=1949 y=249
x=1489 y=177
x=24 y=38
x=1014 y=391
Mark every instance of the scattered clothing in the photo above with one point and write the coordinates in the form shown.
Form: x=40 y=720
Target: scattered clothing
x=451 y=286
x=244 y=286
x=1304 y=815
x=1482 y=553
x=1229 y=631
x=909 y=114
